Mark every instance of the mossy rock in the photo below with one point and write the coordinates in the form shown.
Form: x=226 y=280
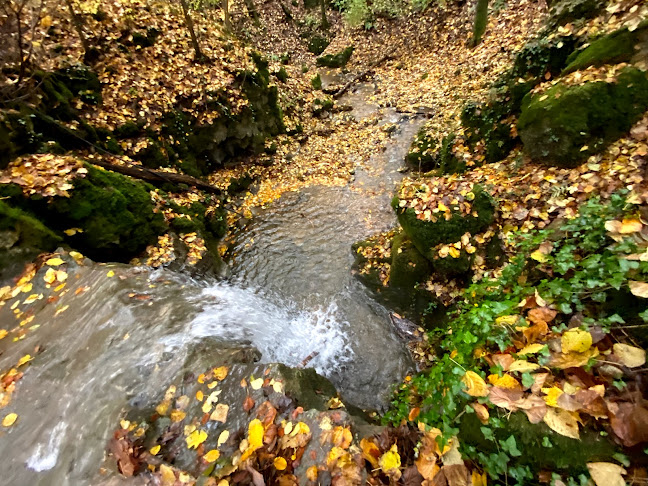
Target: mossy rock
x=450 y=266
x=115 y=213
x=567 y=124
x=337 y=60
x=427 y=154
x=22 y=237
x=560 y=453
x=408 y=266
x=425 y=235
x=282 y=75
x=318 y=44
x=619 y=46
x=565 y=11
x=310 y=390
x=316 y=82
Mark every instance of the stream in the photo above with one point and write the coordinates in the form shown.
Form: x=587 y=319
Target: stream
x=291 y=297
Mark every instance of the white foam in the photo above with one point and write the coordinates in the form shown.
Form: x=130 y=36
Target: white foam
x=277 y=328
x=45 y=456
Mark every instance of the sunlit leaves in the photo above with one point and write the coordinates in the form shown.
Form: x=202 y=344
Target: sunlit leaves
x=9 y=420
x=196 y=438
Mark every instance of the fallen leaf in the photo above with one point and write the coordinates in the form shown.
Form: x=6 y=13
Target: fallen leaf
x=196 y=438
x=576 y=340
x=629 y=356
x=222 y=438
x=606 y=473
x=9 y=420
x=523 y=366
x=155 y=449
x=370 y=452
x=476 y=386
x=54 y=262
x=562 y=422
x=220 y=413
x=640 y=289
x=211 y=456
x=280 y=463
x=390 y=462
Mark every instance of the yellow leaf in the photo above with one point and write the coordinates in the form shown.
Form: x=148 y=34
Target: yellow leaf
x=476 y=385
x=629 y=226
x=255 y=438
x=506 y=320
x=311 y=473
x=50 y=276
x=196 y=438
x=531 y=349
x=54 y=262
x=553 y=394
x=222 y=438
x=479 y=479
x=280 y=463
x=76 y=255
x=454 y=253
x=110 y=274
x=630 y=356
x=155 y=449
x=370 y=452
x=562 y=422
x=163 y=407
x=390 y=461
x=505 y=381
x=26 y=288
x=640 y=289
x=211 y=456
x=342 y=437
x=3 y=333
x=199 y=396
x=256 y=384
x=25 y=359
x=576 y=340
x=177 y=415
x=523 y=366
x=168 y=476
x=9 y=420
x=220 y=373
x=125 y=424
x=606 y=473
x=539 y=256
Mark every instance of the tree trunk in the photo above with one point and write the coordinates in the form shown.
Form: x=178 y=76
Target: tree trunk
x=481 y=19
x=325 y=23
x=252 y=11
x=190 y=26
x=78 y=26
x=226 y=13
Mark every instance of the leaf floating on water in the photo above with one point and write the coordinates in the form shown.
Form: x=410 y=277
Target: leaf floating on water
x=9 y=420
x=256 y=384
x=606 y=473
x=630 y=356
x=475 y=384
x=110 y=274
x=177 y=415
x=220 y=413
x=25 y=359
x=155 y=449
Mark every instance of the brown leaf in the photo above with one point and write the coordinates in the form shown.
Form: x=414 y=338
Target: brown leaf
x=542 y=314
x=629 y=422
x=640 y=289
x=505 y=398
x=534 y=407
x=503 y=360
x=457 y=475
x=248 y=404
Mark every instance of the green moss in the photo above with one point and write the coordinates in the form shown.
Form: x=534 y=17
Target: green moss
x=310 y=390
x=115 y=213
x=564 y=454
x=320 y=106
x=408 y=265
x=282 y=75
x=452 y=266
x=565 y=11
x=127 y=130
x=336 y=60
x=316 y=82
x=619 y=46
x=28 y=231
x=422 y=155
x=318 y=44
x=567 y=124
x=427 y=234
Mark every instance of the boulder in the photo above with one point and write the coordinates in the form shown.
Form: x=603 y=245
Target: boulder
x=566 y=124
x=336 y=60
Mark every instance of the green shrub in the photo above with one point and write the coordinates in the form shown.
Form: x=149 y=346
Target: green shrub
x=336 y=60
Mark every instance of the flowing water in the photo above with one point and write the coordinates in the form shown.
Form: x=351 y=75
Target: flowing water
x=123 y=340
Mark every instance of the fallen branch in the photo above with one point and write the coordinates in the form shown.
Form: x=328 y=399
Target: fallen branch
x=362 y=75
x=156 y=176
